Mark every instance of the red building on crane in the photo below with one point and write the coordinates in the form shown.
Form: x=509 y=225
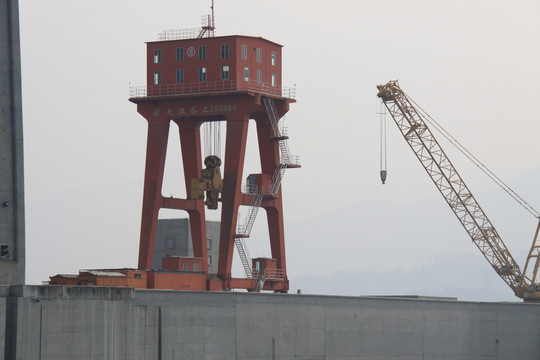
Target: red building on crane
x=216 y=64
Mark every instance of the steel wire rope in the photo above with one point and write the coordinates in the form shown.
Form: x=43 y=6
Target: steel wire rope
x=383 y=148
x=212 y=138
x=206 y=132
x=475 y=161
x=382 y=142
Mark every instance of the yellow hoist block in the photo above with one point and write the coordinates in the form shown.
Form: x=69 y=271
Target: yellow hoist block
x=210 y=183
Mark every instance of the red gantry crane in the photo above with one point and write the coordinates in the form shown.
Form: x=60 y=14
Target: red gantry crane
x=197 y=80
x=412 y=125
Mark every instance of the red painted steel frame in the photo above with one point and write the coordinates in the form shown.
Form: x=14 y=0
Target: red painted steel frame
x=189 y=112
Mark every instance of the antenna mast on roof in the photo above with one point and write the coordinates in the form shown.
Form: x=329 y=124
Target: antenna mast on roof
x=208 y=24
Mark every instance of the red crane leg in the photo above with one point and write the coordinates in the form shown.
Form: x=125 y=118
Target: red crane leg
x=270 y=158
x=156 y=149
x=276 y=231
x=190 y=142
x=235 y=148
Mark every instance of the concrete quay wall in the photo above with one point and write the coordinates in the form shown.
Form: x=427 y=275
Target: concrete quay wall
x=63 y=322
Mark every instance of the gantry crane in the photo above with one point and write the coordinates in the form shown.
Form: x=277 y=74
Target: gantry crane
x=458 y=196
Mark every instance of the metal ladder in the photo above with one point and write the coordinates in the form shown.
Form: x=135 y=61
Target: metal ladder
x=244 y=255
x=260 y=282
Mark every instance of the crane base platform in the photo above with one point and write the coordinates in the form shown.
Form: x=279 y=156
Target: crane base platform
x=165 y=280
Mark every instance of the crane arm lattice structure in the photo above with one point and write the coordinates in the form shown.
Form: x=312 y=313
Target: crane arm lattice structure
x=454 y=190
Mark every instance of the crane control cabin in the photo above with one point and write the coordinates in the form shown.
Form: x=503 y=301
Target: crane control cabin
x=193 y=78
x=211 y=65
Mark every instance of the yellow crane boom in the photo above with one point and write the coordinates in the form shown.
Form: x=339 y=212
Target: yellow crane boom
x=456 y=193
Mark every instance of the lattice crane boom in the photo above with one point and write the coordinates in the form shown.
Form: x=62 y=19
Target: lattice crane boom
x=454 y=190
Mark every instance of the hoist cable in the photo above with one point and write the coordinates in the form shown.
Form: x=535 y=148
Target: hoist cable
x=475 y=160
x=212 y=138
x=383 y=155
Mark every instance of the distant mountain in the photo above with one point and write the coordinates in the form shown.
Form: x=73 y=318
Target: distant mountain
x=453 y=275
x=408 y=249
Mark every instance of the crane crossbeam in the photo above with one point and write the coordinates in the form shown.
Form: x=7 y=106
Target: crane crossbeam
x=454 y=190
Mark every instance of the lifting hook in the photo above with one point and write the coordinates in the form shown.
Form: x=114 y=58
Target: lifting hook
x=383 y=176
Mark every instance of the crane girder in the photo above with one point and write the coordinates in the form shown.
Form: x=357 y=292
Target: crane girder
x=454 y=190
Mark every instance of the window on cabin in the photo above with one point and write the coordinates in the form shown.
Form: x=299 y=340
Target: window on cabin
x=274 y=58
x=259 y=76
x=179 y=76
x=202 y=74
x=274 y=79
x=202 y=52
x=246 y=74
x=180 y=54
x=157 y=56
x=225 y=72
x=225 y=51
x=244 y=51
x=157 y=77
x=259 y=55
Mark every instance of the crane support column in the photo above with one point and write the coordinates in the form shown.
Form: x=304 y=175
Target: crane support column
x=190 y=143
x=235 y=148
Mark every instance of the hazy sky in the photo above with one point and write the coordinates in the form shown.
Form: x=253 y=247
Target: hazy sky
x=472 y=65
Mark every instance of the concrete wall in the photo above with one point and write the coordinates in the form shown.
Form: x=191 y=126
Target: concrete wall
x=54 y=322
x=11 y=149
x=173 y=237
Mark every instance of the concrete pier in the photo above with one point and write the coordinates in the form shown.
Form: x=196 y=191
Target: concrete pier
x=62 y=322
x=11 y=149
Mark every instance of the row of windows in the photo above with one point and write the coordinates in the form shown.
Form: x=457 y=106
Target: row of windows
x=202 y=54
x=185 y=265
x=202 y=75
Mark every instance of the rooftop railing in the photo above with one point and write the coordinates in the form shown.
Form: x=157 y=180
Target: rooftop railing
x=206 y=30
x=179 y=34
x=211 y=87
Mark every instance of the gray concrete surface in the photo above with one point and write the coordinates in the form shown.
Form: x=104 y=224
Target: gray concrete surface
x=61 y=322
x=11 y=149
x=173 y=237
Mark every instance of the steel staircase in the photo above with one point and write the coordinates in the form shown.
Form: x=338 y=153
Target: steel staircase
x=260 y=281
x=244 y=255
x=243 y=231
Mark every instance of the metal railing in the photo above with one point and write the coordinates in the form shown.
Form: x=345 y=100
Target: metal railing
x=210 y=87
x=179 y=34
x=270 y=273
